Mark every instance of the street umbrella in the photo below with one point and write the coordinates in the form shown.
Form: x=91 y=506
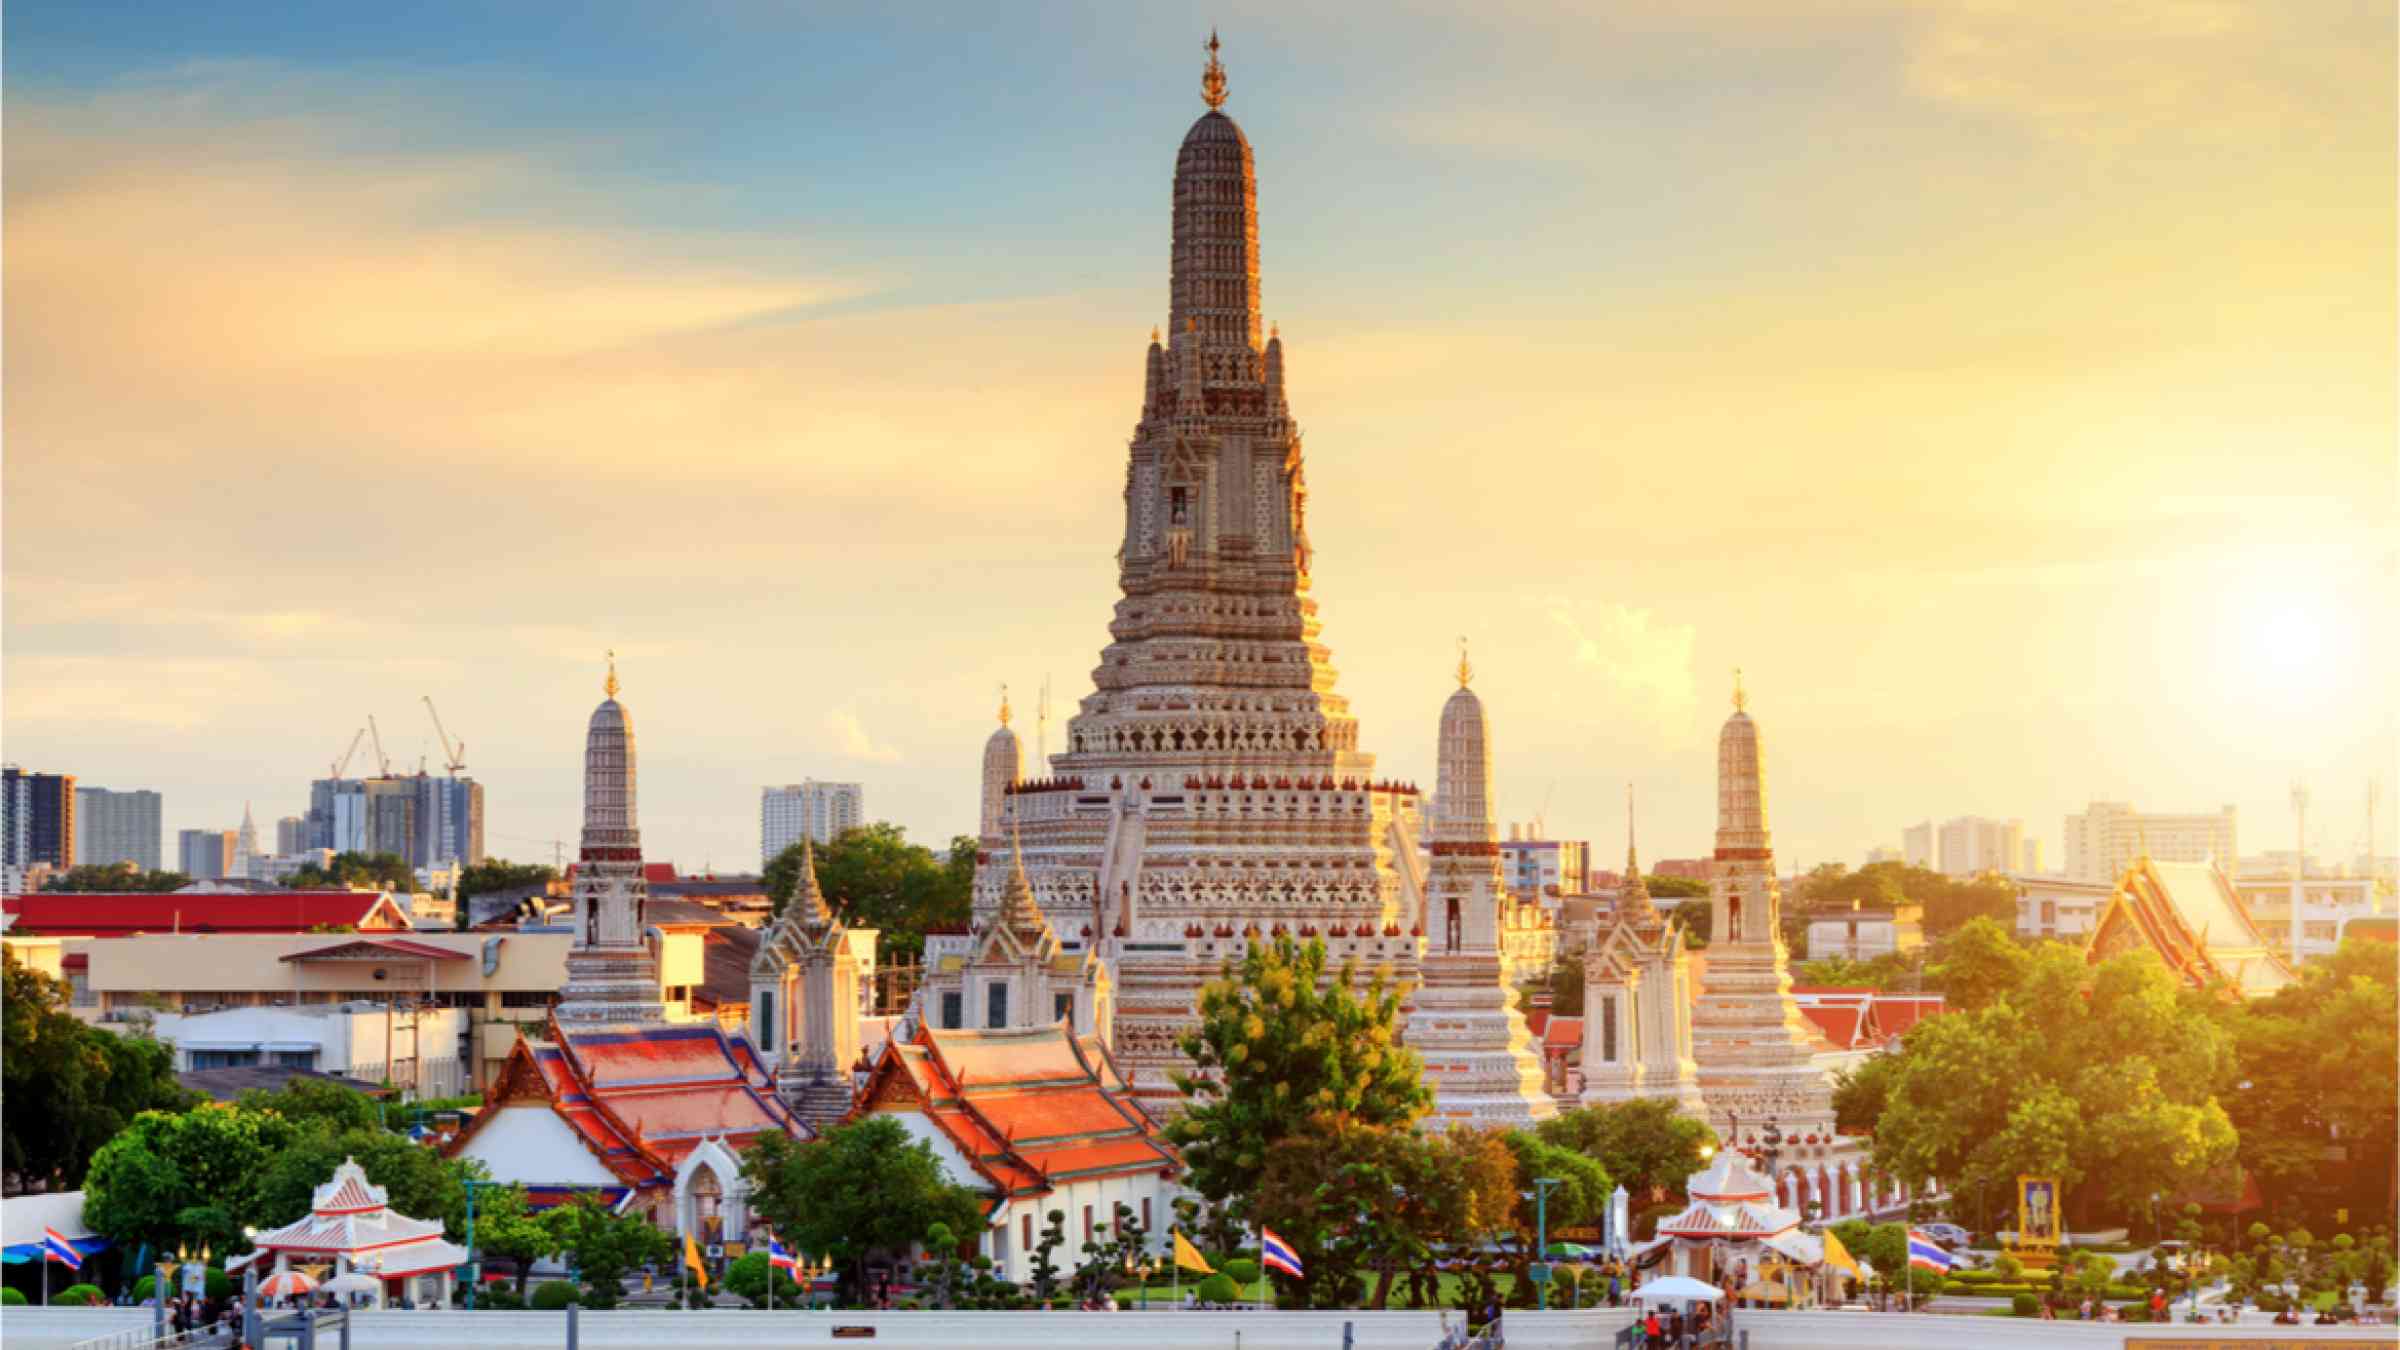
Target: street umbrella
x=356 y=1282
x=287 y=1284
x=1573 y=1251
x=1677 y=1289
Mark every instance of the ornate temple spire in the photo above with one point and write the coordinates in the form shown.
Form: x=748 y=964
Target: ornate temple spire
x=609 y=820
x=1212 y=78
x=1466 y=671
x=808 y=899
x=1020 y=914
x=1634 y=901
x=1215 y=277
x=1004 y=705
x=608 y=687
x=1741 y=785
x=1003 y=766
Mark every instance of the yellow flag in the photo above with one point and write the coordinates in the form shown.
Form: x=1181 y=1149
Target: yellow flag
x=1188 y=1256
x=691 y=1258
x=1839 y=1257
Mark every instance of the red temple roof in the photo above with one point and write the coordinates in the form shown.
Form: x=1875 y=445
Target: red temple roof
x=122 y=914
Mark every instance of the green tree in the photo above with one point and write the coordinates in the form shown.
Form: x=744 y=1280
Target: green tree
x=89 y=878
x=746 y=1279
x=1282 y=1040
x=499 y=874
x=1045 y=1273
x=422 y=1184
x=187 y=1176
x=507 y=1229
x=1648 y=1146
x=1357 y=1198
x=1581 y=1198
x=314 y=1103
x=1697 y=919
x=874 y=878
x=1860 y=1093
x=2314 y=1076
x=862 y=1188
x=1980 y=965
x=70 y=1088
x=384 y=871
x=1675 y=888
x=605 y=1246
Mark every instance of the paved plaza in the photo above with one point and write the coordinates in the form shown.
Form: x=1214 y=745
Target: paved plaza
x=60 y=1329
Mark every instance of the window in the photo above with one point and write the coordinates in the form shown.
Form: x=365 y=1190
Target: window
x=1063 y=1008
x=1178 y=506
x=1027 y=1221
x=1145 y=1214
x=766 y=1020
x=223 y=1059
x=953 y=1010
x=526 y=998
x=296 y=1059
x=995 y=1005
x=1608 y=1030
x=1087 y=1223
x=2049 y=913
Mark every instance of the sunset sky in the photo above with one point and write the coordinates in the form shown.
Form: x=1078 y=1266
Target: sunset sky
x=2007 y=388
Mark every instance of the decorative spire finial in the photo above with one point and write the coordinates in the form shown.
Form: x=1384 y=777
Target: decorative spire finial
x=1466 y=672
x=609 y=686
x=1154 y=335
x=1741 y=700
x=1004 y=705
x=1274 y=330
x=1212 y=80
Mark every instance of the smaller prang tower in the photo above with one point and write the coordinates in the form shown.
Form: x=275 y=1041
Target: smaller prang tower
x=612 y=975
x=804 y=992
x=1754 y=1048
x=1479 y=1055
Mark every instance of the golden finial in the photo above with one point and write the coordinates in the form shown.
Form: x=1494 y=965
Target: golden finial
x=1154 y=335
x=1275 y=330
x=1212 y=80
x=1466 y=672
x=609 y=686
x=1741 y=700
x=1004 y=705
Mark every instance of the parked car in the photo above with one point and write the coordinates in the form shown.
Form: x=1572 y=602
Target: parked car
x=1950 y=1235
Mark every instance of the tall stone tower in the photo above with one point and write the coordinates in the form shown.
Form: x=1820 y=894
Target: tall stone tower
x=1478 y=1053
x=804 y=1001
x=1003 y=765
x=1752 y=1044
x=612 y=975
x=1212 y=793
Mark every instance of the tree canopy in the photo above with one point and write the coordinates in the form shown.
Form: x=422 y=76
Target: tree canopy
x=85 y=878
x=1648 y=1146
x=384 y=871
x=188 y=1176
x=874 y=878
x=2314 y=1072
x=499 y=874
x=1281 y=1041
x=1949 y=901
x=1356 y=1198
x=70 y=1088
x=862 y=1188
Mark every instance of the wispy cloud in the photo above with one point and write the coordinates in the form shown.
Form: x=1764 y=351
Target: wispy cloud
x=852 y=741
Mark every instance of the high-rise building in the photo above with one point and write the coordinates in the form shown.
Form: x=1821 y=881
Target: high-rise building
x=1973 y=845
x=1534 y=866
x=2106 y=837
x=808 y=809
x=204 y=855
x=1916 y=845
x=2031 y=865
x=365 y=815
x=291 y=835
x=116 y=827
x=37 y=819
x=449 y=822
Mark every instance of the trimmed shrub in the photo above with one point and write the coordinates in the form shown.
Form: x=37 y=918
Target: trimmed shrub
x=12 y=1298
x=499 y=1298
x=2024 y=1305
x=552 y=1295
x=1219 y=1288
x=1241 y=1270
x=78 y=1296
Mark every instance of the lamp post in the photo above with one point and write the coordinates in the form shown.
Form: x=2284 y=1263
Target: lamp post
x=1541 y=1237
x=475 y=1267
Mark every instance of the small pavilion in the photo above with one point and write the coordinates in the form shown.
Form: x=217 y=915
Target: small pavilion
x=350 y=1224
x=1733 y=1233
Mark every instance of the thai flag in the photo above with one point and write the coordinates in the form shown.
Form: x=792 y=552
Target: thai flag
x=779 y=1259
x=1276 y=1254
x=55 y=1247
x=1926 y=1254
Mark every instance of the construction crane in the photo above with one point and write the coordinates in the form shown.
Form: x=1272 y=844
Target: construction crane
x=383 y=763
x=344 y=762
x=454 y=757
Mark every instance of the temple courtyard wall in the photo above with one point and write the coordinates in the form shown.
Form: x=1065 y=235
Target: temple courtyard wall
x=61 y=1328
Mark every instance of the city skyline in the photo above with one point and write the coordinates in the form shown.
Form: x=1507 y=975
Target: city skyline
x=631 y=376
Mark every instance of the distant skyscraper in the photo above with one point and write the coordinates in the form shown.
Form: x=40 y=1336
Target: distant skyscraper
x=820 y=811
x=291 y=835
x=2032 y=863
x=1916 y=845
x=204 y=855
x=449 y=821
x=1971 y=845
x=37 y=818
x=2105 y=838
x=116 y=827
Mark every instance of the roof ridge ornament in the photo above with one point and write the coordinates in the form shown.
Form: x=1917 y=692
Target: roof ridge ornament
x=1741 y=698
x=1212 y=79
x=609 y=686
x=1004 y=705
x=1466 y=671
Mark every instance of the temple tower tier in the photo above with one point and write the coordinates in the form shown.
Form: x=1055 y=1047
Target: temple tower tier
x=612 y=973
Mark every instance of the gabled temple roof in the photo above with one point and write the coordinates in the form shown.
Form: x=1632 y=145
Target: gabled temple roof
x=641 y=1097
x=349 y=1215
x=2192 y=917
x=1029 y=1107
